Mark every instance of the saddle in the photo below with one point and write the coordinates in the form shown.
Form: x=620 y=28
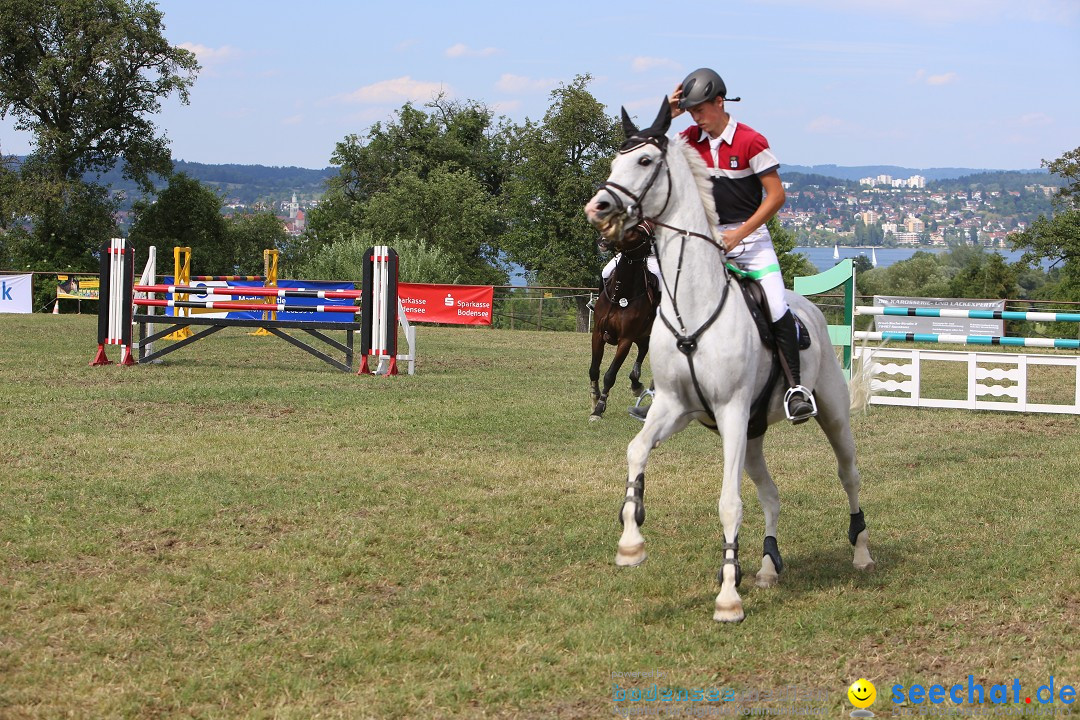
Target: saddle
x=758 y=305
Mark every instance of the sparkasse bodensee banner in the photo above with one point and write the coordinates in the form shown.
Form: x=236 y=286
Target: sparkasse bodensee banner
x=447 y=304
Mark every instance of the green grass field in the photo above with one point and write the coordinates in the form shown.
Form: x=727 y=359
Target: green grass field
x=243 y=532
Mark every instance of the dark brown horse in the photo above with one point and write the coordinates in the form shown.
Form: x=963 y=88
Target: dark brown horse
x=624 y=314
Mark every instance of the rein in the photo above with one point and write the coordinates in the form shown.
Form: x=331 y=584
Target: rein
x=686 y=342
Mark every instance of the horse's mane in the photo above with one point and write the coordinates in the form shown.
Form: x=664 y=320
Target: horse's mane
x=704 y=181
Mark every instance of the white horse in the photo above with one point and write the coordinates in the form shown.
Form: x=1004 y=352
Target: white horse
x=708 y=360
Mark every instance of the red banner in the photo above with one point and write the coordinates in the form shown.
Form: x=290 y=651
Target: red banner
x=447 y=304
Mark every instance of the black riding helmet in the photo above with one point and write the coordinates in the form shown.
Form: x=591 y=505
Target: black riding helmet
x=702 y=85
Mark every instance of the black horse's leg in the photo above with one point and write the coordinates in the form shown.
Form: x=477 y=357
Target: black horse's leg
x=635 y=374
x=621 y=351
x=594 y=368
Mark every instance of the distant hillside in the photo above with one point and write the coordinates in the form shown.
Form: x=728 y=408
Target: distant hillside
x=862 y=171
x=987 y=180
x=243 y=183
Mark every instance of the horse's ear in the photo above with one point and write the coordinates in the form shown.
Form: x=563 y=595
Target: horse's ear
x=628 y=127
x=663 y=119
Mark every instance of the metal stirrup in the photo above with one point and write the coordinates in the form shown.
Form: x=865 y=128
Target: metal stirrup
x=809 y=398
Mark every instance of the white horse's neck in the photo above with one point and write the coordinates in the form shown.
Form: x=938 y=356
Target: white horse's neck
x=694 y=262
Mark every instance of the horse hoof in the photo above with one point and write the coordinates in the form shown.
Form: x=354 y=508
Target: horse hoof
x=767 y=576
x=631 y=556
x=728 y=612
x=595 y=418
x=766 y=580
x=868 y=566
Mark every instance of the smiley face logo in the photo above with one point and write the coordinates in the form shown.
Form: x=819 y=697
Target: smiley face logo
x=862 y=693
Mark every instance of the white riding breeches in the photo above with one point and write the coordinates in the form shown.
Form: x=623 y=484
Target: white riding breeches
x=756 y=256
x=650 y=263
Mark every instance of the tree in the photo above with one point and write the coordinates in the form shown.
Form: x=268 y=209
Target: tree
x=1058 y=238
x=83 y=76
x=433 y=173
x=418 y=262
x=187 y=214
x=1068 y=167
x=248 y=235
x=556 y=166
x=922 y=275
x=792 y=265
x=451 y=210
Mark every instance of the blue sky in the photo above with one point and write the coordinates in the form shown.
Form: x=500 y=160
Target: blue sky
x=915 y=83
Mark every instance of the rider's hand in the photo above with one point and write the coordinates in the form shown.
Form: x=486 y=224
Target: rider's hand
x=673 y=101
x=730 y=241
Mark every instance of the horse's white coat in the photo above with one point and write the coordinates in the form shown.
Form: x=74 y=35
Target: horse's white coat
x=731 y=363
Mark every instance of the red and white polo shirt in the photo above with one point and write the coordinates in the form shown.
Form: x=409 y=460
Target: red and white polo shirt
x=737 y=160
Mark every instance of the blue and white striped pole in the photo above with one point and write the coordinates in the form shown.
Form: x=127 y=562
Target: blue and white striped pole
x=974 y=314
x=968 y=339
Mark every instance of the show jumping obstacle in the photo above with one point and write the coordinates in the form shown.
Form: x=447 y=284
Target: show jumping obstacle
x=377 y=324
x=995 y=380
x=117 y=271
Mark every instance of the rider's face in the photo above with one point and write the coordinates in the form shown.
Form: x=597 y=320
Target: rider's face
x=710 y=116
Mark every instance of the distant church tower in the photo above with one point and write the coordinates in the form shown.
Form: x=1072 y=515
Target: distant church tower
x=294 y=207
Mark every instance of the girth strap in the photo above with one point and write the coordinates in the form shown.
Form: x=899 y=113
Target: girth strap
x=687 y=344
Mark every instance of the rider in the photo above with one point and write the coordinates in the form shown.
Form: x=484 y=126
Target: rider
x=651 y=263
x=742 y=167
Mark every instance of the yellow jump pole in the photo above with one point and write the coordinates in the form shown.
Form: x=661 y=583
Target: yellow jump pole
x=270 y=262
x=182 y=277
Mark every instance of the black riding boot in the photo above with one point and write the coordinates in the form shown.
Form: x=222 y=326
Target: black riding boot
x=797 y=402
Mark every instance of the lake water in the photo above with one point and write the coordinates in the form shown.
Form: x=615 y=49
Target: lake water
x=822 y=257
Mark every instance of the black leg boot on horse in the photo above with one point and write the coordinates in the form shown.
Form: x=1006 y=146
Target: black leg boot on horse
x=798 y=402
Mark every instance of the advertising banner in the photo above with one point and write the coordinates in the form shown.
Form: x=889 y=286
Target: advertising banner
x=291 y=302
x=16 y=294
x=447 y=304
x=72 y=287
x=938 y=325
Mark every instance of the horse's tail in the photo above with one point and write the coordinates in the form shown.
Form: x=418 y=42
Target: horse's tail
x=861 y=385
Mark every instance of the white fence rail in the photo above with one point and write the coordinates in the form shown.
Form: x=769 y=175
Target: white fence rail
x=995 y=381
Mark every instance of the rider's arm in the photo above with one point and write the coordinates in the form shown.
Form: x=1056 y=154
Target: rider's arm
x=772 y=202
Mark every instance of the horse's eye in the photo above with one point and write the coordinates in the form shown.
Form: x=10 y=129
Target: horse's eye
x=645 y=161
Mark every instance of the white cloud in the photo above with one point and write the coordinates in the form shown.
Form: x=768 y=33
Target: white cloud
x=293 y=120
x=924 y=78
x=211 y=56
x=506 y=106
x=519 y=84
x=826 y=125
x=396 y=90
x=463 y=50
x=1035 y=120
x=644 y=63
x=944 y=79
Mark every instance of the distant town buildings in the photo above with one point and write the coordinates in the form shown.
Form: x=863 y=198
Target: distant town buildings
x=915 y=181
x=888 y=211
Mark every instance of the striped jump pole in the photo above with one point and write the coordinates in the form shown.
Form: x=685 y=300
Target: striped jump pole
x=116 y=271
x=249 y=306
x=253 y=292
x=970 y=339
x=378 y=335
x=973 y=314
x=226 y=278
